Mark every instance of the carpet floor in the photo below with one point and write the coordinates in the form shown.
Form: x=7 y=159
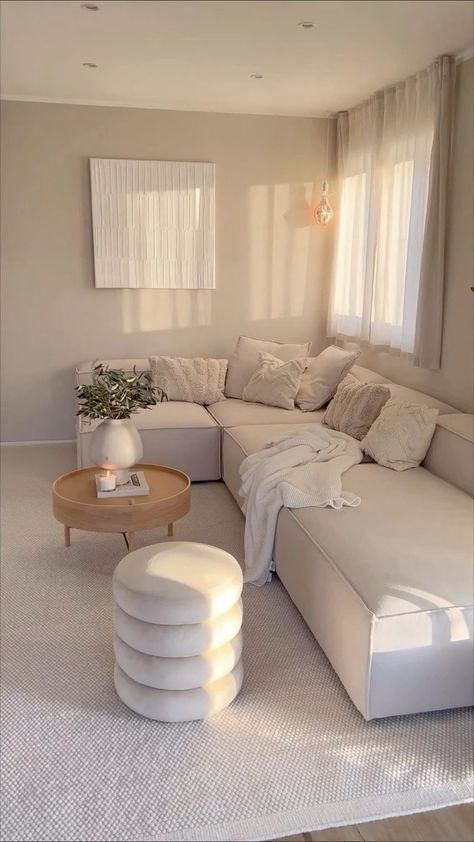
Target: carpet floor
x=291 y=754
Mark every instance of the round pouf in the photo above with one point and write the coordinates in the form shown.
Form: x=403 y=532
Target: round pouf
x=177 y=621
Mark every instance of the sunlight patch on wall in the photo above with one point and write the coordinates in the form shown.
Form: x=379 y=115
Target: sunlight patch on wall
x=279 y=239
x=146 y=311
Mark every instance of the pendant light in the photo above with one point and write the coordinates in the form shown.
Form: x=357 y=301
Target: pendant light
x=324 y=212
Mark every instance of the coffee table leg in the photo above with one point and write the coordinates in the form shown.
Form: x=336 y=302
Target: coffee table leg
x=170 y=530
x=67 y=536
x=129 y=538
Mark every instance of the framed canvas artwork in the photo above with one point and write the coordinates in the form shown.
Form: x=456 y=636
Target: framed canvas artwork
x=153 y=224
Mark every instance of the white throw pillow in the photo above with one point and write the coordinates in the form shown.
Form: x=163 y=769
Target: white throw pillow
x=400 y=437
x=245 y=360
x=197 y=380
x=275 y=383
x=355 y=406
x=322 y=377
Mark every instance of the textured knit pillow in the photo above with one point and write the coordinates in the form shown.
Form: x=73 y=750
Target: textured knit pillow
x=198 y=380
x=400 y=437
x=355 y=406
x=274 y=383
x=322 y=377
x=246 y=358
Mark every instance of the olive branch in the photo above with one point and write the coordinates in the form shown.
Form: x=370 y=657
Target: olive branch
x=116 y=394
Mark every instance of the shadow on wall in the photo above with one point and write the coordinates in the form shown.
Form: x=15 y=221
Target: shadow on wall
x=272 y=275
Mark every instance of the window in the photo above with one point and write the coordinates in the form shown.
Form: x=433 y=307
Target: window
x=385 y=156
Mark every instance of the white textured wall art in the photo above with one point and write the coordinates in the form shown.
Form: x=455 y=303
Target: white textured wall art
x=153 y=224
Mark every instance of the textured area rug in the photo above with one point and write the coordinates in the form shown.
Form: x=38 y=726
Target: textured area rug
x=290 y=754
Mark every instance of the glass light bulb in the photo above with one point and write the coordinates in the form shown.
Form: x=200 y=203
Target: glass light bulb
x=324 y=212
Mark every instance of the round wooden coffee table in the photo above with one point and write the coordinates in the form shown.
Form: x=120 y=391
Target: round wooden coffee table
x=76 y=505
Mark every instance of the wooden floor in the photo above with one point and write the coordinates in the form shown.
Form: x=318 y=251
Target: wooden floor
x=452 y=824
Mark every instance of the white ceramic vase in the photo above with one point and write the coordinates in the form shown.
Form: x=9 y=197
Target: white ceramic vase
x=116 y=446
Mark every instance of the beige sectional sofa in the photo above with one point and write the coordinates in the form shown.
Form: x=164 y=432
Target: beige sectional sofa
x=387 y=588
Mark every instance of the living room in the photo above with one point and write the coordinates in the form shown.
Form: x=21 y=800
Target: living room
x=237 y=429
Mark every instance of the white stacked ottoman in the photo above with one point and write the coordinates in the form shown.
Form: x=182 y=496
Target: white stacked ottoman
x=177 y=619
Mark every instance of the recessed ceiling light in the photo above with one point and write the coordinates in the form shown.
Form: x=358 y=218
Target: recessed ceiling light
x=306 y=24
x=256 y=76
x=91 y=7
x=88 y=64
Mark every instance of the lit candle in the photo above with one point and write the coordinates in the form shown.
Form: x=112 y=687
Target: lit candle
x=107 y=481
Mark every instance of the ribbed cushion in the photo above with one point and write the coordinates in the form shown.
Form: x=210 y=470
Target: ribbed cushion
x=178 y=705
x=178 y=673
x=178 y=641
x=177 y=583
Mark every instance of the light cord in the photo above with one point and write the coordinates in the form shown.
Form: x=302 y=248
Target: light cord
x=327 y=151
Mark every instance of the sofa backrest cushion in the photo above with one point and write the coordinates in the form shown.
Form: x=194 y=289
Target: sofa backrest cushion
x=451 y=452
x=246 y=359
x=84 y=370
x=402 y=393
x=366 y=375
x=406 y=395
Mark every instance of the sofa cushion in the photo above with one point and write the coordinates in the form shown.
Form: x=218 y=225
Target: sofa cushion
x=274 y=383
x=169 y=415
x=322 y=377
x=355 y=406
x=401 y=435
x=451 y=452
x=245 y=360
x=369 y=546
x=196 y=379
x=239 y=442
x=233 y=413
x=406 y=548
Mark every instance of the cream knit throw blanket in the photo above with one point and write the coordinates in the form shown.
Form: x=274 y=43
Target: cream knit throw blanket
x=301 y=468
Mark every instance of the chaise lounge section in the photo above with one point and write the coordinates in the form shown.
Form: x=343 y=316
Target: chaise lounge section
x=385 y=588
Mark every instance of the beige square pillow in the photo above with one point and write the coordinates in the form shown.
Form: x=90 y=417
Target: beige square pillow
x=355 y=406
x=197 y=380
x=322 y=377
x=245 y=360
x=274 y=383
x=400 y=437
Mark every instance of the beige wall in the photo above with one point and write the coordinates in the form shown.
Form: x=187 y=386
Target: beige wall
x=453 y=382
x=271 y=260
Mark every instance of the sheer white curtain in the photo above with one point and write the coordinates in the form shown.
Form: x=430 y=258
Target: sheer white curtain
x=387 y=168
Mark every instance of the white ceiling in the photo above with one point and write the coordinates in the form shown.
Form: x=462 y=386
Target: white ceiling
x=198 y=55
